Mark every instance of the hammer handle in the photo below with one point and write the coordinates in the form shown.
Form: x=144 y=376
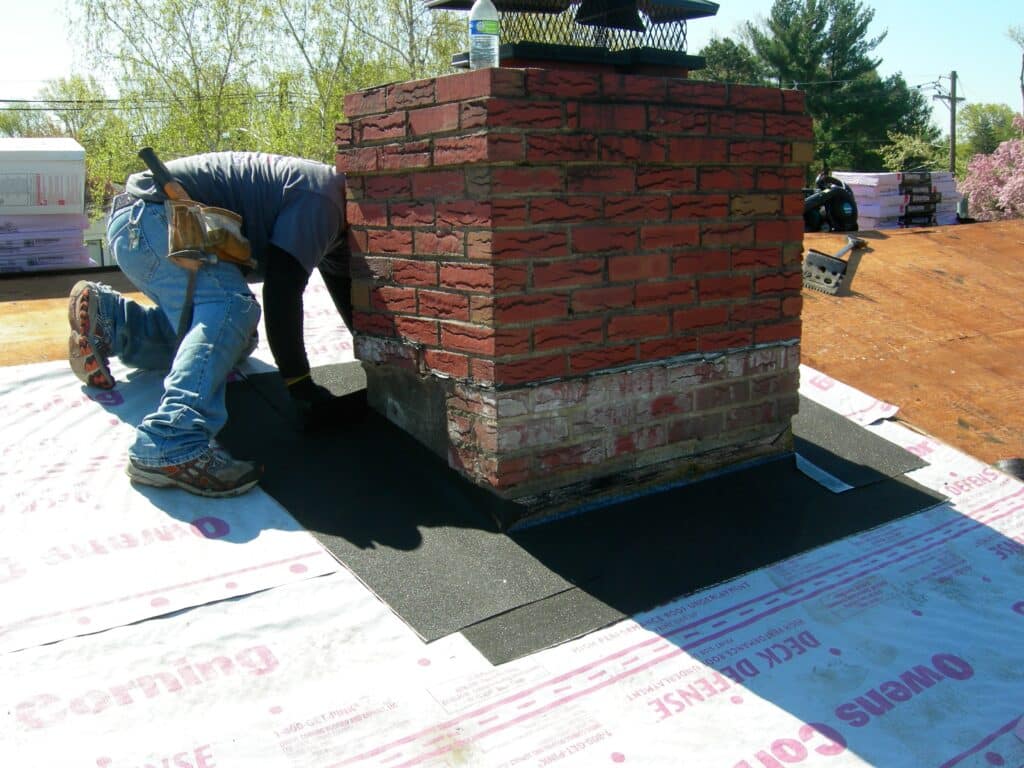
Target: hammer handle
x=170 y=185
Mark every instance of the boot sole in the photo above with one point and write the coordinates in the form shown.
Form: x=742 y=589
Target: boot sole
x=159 y=480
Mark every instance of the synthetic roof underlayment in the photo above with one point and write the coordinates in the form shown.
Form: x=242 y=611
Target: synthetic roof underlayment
x=144 y=627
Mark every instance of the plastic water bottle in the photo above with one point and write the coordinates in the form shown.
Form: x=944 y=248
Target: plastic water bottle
x=484 y=29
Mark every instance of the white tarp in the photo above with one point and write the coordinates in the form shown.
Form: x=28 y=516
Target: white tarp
x=900 y=646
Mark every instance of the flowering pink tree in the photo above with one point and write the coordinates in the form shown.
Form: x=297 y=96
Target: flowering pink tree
x=994 y=184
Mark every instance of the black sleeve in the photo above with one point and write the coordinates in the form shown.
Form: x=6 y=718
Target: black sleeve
x=283 y=286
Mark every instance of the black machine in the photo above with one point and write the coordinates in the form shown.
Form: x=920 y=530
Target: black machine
x=829 y=206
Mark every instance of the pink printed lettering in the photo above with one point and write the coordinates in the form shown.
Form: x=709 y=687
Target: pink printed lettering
x=45 y=710
x=676 y=701
x=795 y=645
x=791 y=751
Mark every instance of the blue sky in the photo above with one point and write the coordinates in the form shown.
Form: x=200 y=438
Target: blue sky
x=926 y=39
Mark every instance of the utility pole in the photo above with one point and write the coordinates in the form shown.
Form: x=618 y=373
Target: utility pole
x=951 y=101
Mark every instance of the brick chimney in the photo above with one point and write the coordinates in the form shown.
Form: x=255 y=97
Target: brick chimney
x=578 y=284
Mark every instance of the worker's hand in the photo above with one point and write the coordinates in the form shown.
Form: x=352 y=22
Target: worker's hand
x=308 y=400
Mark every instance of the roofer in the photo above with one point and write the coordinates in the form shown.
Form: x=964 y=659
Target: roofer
x=293 y=215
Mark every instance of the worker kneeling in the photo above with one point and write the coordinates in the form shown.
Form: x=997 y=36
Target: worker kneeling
x=204 y=323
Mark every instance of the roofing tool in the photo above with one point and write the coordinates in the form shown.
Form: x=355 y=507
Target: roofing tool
x=826 y=273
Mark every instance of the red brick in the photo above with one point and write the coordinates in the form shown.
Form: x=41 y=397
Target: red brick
x=572 y=456
x=713 y=342
x=736 y=233
x=508 y=277
x=701 y=317
x=672 y=292
x=666 y=405
x=560 y=274
x=609 y=357
x=481 y=82
x=792 y=306
x=415 y=93
x=481 y=310
x=780 y=179
x=417 y=330
x=756 y=312
x=633 y=149
x=792 y=127
x=765 y=334
x=374 y=324
x=697 y=93
x=508 y=212
x=697 y=150
x=597 y=178
x=751 y=258
x=447 y=306
x=377 y=127
x=447 y=363
x=699 y=206
x=532 y=180
x=634 y=87
x=360 y=213
x=794 y=101
x=606 y=117
x=669 y=236
x=418 y=273
x=737 y=124
x=636 y=208
x=755 y=152
x=525 y=244
x=602 y=299
x=467 y=277
x=738 y=179
x=367 y=102
x=530 y=369
x=780 y=231
x=756 y=98
x=437 y=119
x=519 y=113
x=412 y=214
x=591 y=239
x=574 y=333
x=391 y=298
x=574 y=147
x=357 y=160
x=638 y=267
x=431 y=243
x=407 y=155
x=530 y=308
x=718 y=288
x=389 y=187
x=659 y=349
x=569 y=210
x=464 y=213
x=666 y=179
x=562 y=84
x=512 y=341
x=636 y=327
x=389 y=241
x=666 y=119
x=467 y=338
x=439 y=184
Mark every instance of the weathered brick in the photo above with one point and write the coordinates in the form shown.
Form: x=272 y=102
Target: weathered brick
x=561 y=274
x=391 y=125
x=747 y=206
x=437 y=243
x=568 y=335
x=633 y=267
x=640 y=440
x=437 y=119
x=411 y=214
x=636 y=327
x=366 y=102
x=446 y=363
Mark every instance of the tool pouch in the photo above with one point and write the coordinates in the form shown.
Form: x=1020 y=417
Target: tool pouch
x=200 y=234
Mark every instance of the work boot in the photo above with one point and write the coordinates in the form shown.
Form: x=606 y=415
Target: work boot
x=87 y=349
x=213 y=473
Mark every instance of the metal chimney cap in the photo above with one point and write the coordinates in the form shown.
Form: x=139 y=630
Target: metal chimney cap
x=656 y=10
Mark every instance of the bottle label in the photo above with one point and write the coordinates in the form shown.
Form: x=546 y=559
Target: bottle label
x=483 y=27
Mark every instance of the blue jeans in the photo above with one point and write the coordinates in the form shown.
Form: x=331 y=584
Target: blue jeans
x=192 y=408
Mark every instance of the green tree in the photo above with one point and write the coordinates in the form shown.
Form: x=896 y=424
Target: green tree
x=983 y=127
x=906 y=152
x=729 y=61
x=824 y=48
